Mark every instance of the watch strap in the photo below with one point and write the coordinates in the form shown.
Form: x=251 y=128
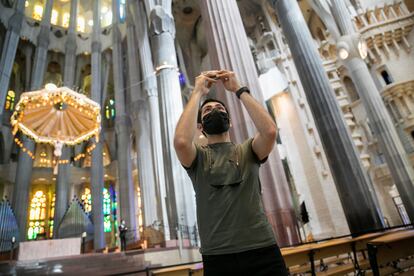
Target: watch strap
x=241 y=91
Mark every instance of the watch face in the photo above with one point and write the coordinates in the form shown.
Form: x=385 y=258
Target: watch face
x=363 y=49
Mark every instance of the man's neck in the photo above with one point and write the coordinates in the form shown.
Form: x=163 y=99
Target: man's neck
x=219 y=138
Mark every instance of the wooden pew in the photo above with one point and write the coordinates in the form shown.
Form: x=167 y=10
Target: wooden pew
x=308 y=253
x=303 y=258
x=180 y=270
x=389 y=248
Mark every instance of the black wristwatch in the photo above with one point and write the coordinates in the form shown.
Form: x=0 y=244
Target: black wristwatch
x=241 y=91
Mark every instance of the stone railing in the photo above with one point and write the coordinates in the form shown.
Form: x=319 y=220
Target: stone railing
x=399 y=99
x=344 y=103
x=385 y=26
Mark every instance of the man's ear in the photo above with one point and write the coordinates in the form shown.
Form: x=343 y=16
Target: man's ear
x=230 y=123
x=200 y=128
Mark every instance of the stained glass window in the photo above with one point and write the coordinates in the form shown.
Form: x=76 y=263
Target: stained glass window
x=87 y=200
x=122 y=11
x=81 y=24
x=107 y=210
x=10 y=98
x=181 y=78
x=140 y=220
x=110 y=109
x=114 y=205
x=66 y=20
x=51 y=217
x=37 y=12
x=37 y=215
x=54 y=17
x=109 y=205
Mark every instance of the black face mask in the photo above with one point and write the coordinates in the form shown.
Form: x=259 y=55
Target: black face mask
x=216 y=122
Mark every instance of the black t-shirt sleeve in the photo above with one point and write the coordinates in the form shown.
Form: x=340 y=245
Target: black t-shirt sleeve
x=248 y=146
x=193 y=165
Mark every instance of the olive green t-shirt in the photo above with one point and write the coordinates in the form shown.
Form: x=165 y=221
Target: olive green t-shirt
x=230 y=212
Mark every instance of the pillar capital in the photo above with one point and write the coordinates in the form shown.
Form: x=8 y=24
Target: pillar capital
x=96 y=47
x=43 y=37
x=351 y=46
x=71 y=43
x=161 y=22
x=122 y=123
x=15 y=22
x=137 y=107
x=150 y=86
x=116 y=33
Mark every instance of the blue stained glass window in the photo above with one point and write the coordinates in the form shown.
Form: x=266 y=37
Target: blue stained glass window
x=181 y=79
x=122 y=10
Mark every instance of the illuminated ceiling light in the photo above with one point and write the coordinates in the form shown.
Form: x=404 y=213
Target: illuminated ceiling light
x=363 y=48
x=90 y=22
x=106 y=175
x=343 y=53
x=26 y=4
x=50 y=87
x=83 y=178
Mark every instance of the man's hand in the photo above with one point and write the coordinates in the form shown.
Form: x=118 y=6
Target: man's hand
x=229 y=80
x=204 y=81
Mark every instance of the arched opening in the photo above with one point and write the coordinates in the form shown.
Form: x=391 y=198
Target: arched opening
x=351 y=89
x=53 y=74
x=386 y=77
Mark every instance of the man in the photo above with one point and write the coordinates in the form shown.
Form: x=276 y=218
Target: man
x=122 y=234
x=236 y=238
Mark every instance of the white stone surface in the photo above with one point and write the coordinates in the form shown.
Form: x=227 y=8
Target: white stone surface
x=34 y=250
x=174 y=256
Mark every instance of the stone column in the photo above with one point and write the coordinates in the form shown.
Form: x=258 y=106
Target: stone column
x=63 y=179
x=353 y=183
x=229 y=49
x=151 y=119
x=331 y=221
x=28 y=54
x=180 y=194
x=70 y=54
x=62 y=190
x=8 y=53
x=97 y=171
x=25 y=163
x=379 y=118
x=22 y=186
x=122 y=129
x=139 y=113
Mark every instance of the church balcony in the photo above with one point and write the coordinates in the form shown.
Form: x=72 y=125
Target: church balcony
x=384 y=27
x=399 y=99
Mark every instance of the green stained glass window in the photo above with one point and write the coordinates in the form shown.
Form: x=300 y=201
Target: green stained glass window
x=107 y=210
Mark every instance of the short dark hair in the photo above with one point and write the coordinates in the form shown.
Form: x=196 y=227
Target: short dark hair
x=209 y=101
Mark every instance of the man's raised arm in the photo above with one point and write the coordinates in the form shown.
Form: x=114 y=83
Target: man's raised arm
x=264 y=140
x=187 y=124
